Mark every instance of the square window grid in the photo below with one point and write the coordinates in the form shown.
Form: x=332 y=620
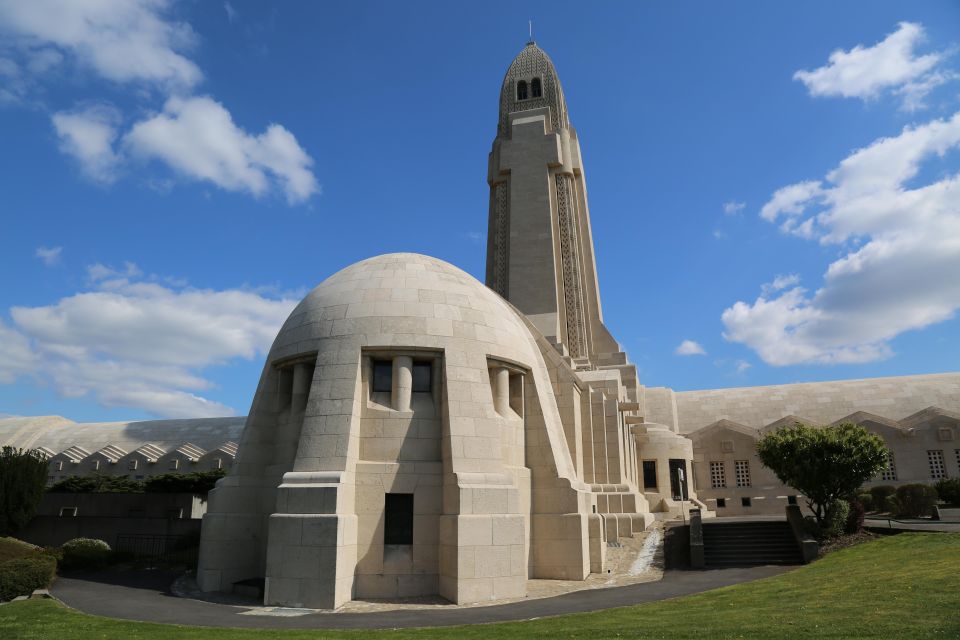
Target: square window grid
x=718 y=476
x=742 y=468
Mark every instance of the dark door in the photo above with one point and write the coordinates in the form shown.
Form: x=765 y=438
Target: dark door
x=678 y=488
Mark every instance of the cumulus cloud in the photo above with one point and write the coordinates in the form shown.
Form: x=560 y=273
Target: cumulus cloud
x=139 y=42
x=120 y=40
x=49 y=255
x=88 y=135
x=900 y=253
x=135 y=343
x=892 y=64
x=690 y=348
x=733 y=207
x=198 y=138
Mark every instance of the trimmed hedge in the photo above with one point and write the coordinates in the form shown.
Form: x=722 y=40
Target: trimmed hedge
x=880 y=495
x=200 y=482
x=914 y=500
x=949 y=490
x=21 y=576
x=867 y=501
x=85 y=553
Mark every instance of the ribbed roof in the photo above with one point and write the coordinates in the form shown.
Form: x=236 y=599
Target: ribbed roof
x=532 y=62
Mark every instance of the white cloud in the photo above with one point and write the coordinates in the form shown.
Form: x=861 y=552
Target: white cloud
x=198 y=138
x=121 y=40
x=49 y=255
x=88 y=136
x=231 y=12
x=139 y=42
x=742 y=365
x=866 y=72
x=779 y=283
x=900 y=245
x=134 y=343
x=733 y=207
x=690 y=348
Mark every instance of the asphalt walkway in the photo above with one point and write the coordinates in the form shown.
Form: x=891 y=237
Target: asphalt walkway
x=145 y=596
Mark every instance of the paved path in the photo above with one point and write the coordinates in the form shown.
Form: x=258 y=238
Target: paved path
x=911 y=525
x=145 y=596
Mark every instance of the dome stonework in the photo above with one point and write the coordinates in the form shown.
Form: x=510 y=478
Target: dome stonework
x=532 y=62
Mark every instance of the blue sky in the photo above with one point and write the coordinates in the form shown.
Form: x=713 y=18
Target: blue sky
x=773 y=186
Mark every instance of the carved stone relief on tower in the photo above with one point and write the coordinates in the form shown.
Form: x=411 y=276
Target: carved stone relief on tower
x=570 y=258
x=501 y=238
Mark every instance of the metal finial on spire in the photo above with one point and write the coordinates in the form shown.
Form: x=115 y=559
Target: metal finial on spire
x=530 y=29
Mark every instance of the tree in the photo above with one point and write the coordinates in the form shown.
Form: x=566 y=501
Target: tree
x=23 y=475
x=824 y=464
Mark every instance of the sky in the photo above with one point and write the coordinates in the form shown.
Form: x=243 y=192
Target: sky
x=774 y=188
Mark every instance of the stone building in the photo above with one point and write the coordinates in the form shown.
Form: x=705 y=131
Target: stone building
x=415 y=432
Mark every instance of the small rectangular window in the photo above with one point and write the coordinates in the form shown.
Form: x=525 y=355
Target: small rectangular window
x=68 y=512
x=422 y=377
x=132 y=465
x=721 y=503
x=718 y=476
x=398 y=519
x=174 y=464
x=649 y=474
x=745 y=502
x=382 y=376
x=890 y=473
x=742 y=468
x=937 y=468
x=791 y=499
x=59 y=465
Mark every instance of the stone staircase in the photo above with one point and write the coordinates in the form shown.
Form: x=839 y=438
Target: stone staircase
x=743 y=543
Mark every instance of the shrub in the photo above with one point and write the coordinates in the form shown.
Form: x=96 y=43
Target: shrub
x=914 y=500
x=866 y=500
x=880 y=495
x=855 y=516
x=198 y=482
x=835 y=518
x=21 y=576
x=949 y=490
x=23 y=476
x=85 y=553
x=97 y=484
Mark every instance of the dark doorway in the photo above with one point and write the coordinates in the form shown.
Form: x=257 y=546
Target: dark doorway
x=678 y=488
x=398 y=519
x=649 y=474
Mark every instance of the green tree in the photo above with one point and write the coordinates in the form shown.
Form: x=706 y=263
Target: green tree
x=23 y=475
x=825 y=464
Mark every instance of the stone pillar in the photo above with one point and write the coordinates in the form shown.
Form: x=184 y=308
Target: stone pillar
x=302 y=378
x=501 y=390
x=402 y=383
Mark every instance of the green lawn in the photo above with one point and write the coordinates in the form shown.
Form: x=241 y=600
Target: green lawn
x=904 y=586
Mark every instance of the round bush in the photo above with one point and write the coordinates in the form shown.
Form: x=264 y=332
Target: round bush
x=855 y=515
x=914 y=500
x=21 y=576
x=949 y=490
x=835 y=520
x=85 y=553
x=880 y=495
x=866 y=500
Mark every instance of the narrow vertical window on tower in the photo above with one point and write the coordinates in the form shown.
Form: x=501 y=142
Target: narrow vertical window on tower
x=535 y=91
x=522 y=90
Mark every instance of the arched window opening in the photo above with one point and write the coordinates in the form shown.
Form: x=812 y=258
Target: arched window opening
x=535 y=91
x=522 y=90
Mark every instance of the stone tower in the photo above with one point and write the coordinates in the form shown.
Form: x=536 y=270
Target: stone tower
x=540 y=247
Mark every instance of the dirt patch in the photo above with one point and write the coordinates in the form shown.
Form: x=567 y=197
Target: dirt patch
x=844 y=541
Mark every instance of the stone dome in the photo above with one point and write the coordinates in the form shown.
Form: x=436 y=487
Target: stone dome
x=532 y=62
x=404 y=299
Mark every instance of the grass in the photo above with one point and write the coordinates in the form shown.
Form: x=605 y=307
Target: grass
x=11 y=549
x=903 y=586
